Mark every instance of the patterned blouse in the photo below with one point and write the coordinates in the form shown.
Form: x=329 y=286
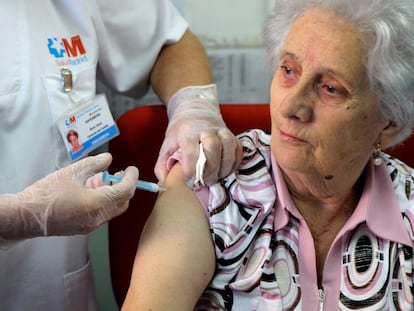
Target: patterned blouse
x=265 y=252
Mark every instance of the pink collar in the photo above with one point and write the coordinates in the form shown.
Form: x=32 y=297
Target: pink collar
x=378 y=206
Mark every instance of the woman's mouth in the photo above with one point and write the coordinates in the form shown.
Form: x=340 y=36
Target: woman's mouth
x=290 y=138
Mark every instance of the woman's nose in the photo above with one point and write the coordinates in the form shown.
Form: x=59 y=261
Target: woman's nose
x=298 y=103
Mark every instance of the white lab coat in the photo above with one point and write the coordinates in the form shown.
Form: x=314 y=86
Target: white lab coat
x=124 y=37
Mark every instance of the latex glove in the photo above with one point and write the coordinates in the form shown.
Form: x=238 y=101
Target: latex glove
x=194 y=118
x=65 y=202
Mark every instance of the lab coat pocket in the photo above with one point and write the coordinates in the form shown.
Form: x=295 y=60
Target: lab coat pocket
x=79 y=289
x=84 y=87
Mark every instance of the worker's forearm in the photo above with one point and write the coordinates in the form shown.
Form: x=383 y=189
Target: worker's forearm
x=179 y=65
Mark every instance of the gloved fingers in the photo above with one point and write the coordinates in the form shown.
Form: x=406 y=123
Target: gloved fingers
x=96 y=205
x=107 y=213
x=125 y=189
x=94 y=181
x=114 y=199
x=232 y=152
x=220 y=154
x=221 y=148
x=90 y=166
x=168 y=148
x=160 y=169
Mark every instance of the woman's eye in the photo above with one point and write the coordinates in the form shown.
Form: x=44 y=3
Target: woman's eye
x=288 y=75
x=330 y=89
x=287 y=70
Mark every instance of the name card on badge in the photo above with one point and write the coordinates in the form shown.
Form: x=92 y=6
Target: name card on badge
x=88 y=127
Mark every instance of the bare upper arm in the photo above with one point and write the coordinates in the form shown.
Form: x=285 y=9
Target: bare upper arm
x=175 y=259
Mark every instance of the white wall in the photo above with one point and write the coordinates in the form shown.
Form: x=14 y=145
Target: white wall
x=226 y=23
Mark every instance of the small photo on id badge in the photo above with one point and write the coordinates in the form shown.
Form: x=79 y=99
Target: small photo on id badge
x=87 y=127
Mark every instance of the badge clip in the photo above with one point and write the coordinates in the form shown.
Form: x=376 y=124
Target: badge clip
x=68 y=85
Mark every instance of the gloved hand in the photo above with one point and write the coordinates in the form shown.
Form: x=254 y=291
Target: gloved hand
x=194 y=117
x=67 y=202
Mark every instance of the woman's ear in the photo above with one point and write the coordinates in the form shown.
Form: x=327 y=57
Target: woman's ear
x=389 y=133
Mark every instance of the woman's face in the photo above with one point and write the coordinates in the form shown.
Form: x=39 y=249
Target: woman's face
x=73 y=139
x=325 y=118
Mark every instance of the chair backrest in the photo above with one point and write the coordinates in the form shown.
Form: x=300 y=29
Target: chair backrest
x=404 y=151
x=142 y=131
x=141 y=134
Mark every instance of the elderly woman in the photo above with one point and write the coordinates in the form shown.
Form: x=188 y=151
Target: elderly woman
x=317 y=217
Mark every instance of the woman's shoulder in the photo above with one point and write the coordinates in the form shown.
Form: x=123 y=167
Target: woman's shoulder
x=398 y=168
x=244 y=198
x=258 y=137
x=402 y=178
x=255 y=142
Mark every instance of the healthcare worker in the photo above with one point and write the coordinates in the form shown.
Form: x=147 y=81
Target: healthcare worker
x=52 y=53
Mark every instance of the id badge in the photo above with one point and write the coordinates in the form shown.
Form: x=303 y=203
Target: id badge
x=87 y=127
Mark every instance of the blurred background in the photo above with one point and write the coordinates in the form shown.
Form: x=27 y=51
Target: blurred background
x=231 y=31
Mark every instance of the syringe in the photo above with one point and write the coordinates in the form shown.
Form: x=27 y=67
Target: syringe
x=144 y=185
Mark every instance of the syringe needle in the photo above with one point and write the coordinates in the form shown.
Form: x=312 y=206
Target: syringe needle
x=143 y=185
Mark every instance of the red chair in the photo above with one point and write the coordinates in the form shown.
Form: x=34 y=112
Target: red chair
x=142 y=131
x=404 y=151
